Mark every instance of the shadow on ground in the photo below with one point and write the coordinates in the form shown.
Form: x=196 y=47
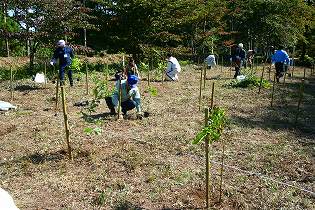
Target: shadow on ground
x=24 y=88
x=285 y=113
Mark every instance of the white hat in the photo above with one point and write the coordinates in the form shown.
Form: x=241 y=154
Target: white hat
x=240 y=45
x=61 y=43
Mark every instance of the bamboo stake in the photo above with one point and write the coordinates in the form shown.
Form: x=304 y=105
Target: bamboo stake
x=293 y=68
x=222 y=64
x=65 y=116
x=57 y=95
x=269 y=76
x=119 y=101
x=261 y=79
x=221 y=172
x=200 y=90
x=86 y=79
x=300 y=100
x=207 y=159
x=45 y=74
x=11 y=83
x=273 y=89
x=106 y=73
x=204 y=76
x=212 y=96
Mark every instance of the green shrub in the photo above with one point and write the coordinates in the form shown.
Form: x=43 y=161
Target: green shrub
x=248 y=82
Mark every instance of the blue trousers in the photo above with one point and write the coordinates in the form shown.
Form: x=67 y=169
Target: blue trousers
x=62 y=69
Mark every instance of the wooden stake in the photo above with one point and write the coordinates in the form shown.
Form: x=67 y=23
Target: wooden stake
x=222 y=64
x=11 y=83
x=273 y=89
x=106 y=73
x=57 y=95
x=119 y=101
x=221 y=172
x=204 y=77
x=269 y=78
x=300 y=100
x=212 y=96
x=304 y=74
x=207 y=159
x=65 y=116
x=200 y=90
x=86 y=79
x=261 y=79
x=293 y=67
x=45 y=73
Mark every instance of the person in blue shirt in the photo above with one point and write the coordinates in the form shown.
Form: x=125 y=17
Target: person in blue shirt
x=279 y=58
x=64 y=54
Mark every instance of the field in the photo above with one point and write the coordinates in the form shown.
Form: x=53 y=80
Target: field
x=151 y=163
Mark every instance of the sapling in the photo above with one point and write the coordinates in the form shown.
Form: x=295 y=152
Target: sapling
x=211 y=132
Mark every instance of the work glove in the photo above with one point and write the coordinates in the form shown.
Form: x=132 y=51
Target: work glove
x=51 y=63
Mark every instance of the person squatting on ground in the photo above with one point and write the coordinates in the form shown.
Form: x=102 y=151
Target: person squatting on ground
x=131 y=68
x=210 y=61
x=64 y=54
x=173 y=68
x=238 y=56
x=280 y=58
x=130 y=96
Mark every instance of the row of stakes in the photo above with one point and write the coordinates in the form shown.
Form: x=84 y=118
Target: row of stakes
x=202 y=80
x=207 y=110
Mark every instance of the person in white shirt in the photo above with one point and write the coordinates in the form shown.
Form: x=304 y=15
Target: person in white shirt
x=6 y=201
x=210 y=61
x=173 y=68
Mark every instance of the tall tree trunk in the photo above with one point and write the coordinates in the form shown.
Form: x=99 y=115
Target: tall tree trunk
x=34 y=46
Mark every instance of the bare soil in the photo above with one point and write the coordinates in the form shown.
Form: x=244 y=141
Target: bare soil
x=151 y=163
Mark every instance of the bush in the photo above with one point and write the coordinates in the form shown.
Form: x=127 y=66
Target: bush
x=249 y=82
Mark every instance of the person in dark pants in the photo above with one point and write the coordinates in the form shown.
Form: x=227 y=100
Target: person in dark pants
x=238 y=55
x=64 y=54
x=279 y=59
x=130 y=96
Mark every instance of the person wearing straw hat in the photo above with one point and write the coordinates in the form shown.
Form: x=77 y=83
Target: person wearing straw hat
x=64 y=54
x=173 y=68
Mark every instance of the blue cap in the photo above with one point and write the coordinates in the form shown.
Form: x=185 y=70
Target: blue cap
x=132 y=80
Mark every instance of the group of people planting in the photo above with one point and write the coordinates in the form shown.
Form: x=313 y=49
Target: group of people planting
x=240 y=58
x=126 y=90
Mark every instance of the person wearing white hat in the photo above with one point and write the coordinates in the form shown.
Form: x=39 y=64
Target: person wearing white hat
x=65 y=55
x=238 y=56
x=173 y=68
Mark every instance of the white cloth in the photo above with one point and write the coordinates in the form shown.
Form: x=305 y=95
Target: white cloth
x=211 y=60
x=6 y=201
x=173 y=68
x=5 y=106
x=40 y=78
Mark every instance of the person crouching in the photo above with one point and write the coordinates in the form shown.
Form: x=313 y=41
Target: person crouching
x=130 y=96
